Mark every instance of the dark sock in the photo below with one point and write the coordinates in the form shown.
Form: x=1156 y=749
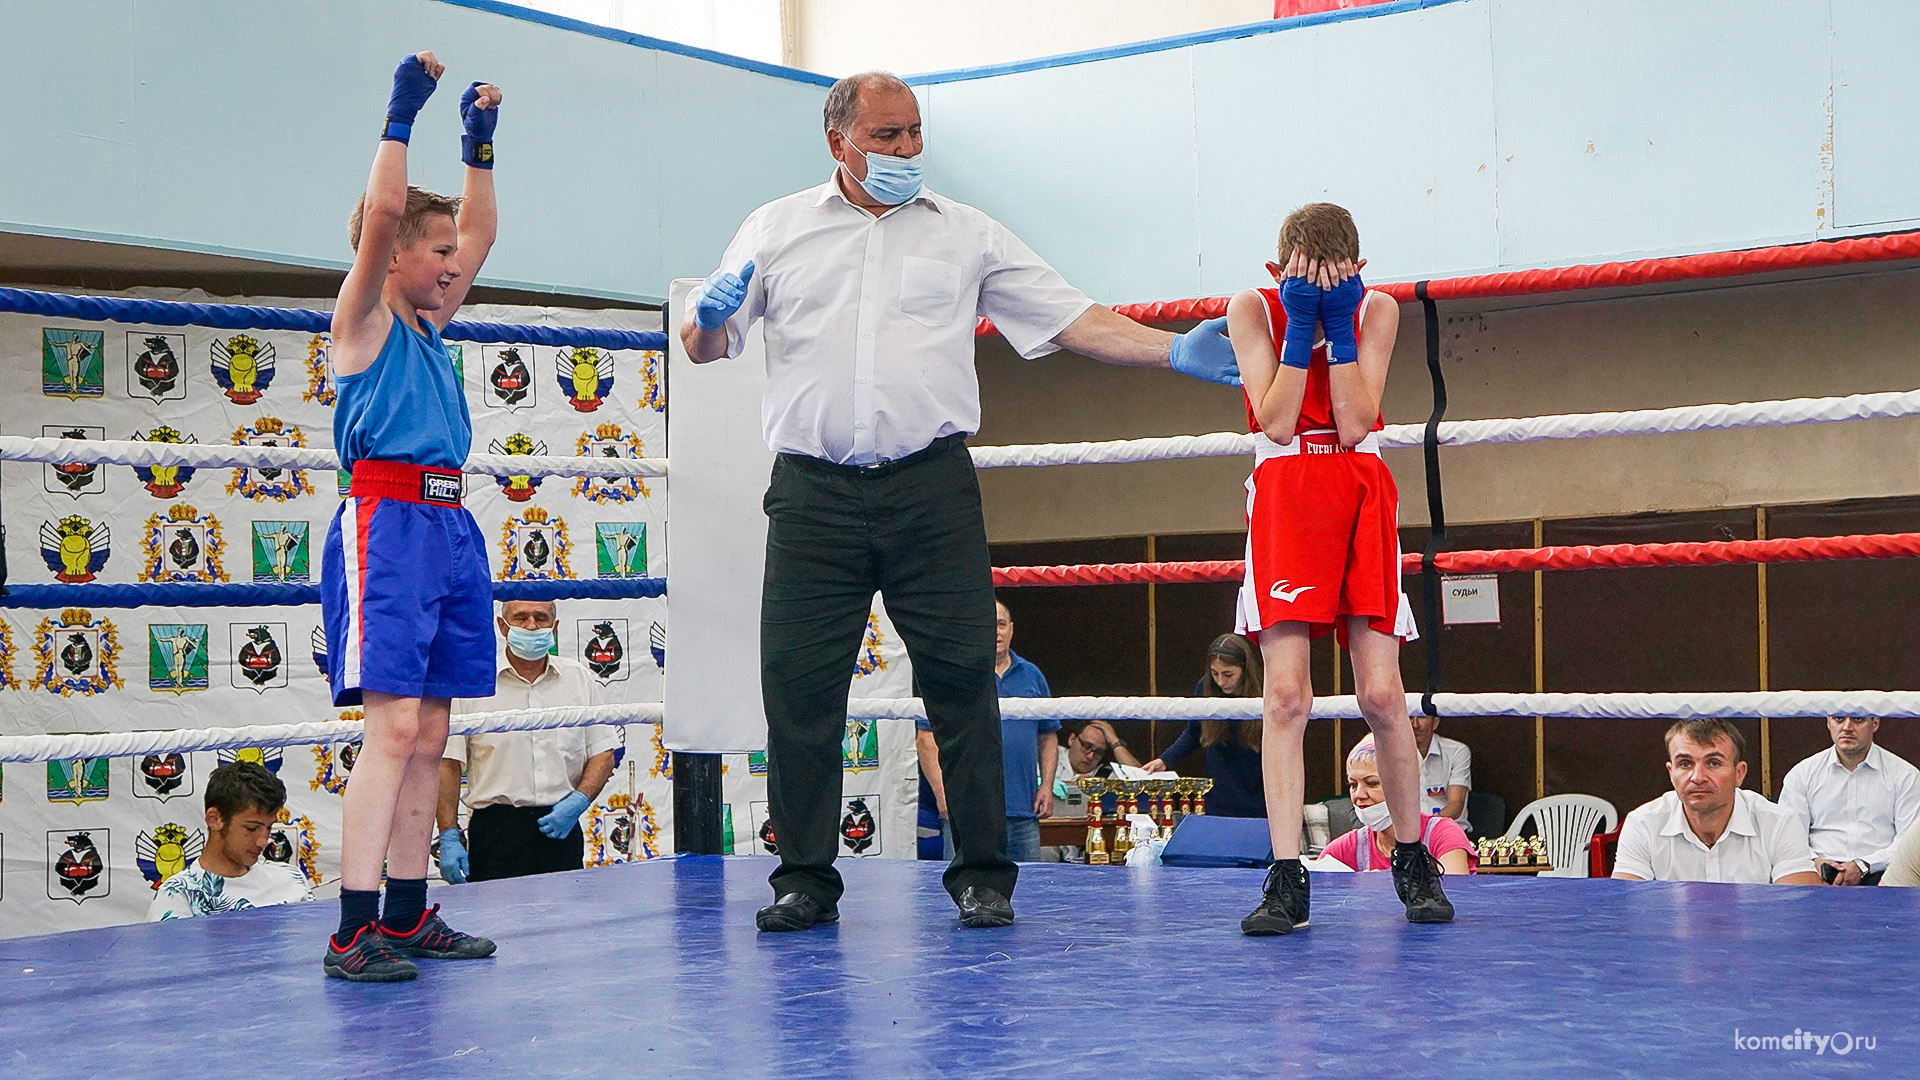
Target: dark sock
x=406 y=902
x=1411 y=850
x=358 y=907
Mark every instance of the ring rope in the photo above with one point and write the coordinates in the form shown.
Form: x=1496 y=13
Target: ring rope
x=123 y=309
x=1614 y=275
x=248 y=594
x=1577 y=557
x=1886 y=704
x=216 y=456
x=1775 y=703
x=133 y=743
x=1683 y=418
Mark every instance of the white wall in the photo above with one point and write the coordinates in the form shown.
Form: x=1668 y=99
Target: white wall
x=1466 y=137
x=248 y=128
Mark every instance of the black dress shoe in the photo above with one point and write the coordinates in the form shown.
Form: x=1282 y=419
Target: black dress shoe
x=795 y=911
x=982 y=907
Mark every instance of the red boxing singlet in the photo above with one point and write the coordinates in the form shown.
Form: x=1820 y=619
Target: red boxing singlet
x=1316 y=410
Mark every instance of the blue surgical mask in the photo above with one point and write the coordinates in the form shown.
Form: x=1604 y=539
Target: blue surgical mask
x=890 y=180
x=529 y=644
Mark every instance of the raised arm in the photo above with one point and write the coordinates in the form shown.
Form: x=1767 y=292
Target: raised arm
x=360 y=316
x=1356 y=388
x=1276 y=391
x=479 y=213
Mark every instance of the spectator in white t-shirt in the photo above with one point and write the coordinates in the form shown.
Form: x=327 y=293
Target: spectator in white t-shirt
x=1446 y=771
x=243 y=803
x=1854 y=800
x=1709 y=828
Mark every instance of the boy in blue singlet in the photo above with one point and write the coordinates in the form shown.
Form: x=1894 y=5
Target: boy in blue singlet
x=407 y=594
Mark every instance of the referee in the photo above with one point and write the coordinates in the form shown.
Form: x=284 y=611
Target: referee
x=870 y=285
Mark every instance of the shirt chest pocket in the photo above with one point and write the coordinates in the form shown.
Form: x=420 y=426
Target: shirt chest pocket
x=929 y=290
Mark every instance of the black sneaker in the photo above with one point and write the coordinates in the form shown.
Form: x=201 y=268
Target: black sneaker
x=1283 y=907
x=435 y=940
x=1416 y=877
x=367 y=958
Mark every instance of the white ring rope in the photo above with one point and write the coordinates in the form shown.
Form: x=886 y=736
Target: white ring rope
x=218 y=456
x=1751 y=414
x=133 y=743
x=1776 y=703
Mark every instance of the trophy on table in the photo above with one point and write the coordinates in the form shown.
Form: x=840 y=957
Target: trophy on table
x=1096 y=790
x=1129 y=804
x=1165 y=802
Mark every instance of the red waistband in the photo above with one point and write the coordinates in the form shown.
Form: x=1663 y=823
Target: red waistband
x=408 y=483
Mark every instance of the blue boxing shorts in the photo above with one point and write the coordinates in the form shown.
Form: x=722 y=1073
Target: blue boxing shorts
x=406 y=593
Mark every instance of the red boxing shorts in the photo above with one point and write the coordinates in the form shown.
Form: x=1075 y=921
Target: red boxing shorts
x=406 y=593
x=1323 y=539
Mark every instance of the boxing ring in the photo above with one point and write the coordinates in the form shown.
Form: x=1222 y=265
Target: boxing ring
x=656 y=967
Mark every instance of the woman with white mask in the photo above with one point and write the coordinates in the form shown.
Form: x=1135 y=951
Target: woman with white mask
x=1370 y=846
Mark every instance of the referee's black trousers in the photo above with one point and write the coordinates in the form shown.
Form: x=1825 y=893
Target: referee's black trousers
x=912 y=530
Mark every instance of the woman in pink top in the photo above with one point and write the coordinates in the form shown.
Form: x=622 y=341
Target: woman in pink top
x=1370 y=846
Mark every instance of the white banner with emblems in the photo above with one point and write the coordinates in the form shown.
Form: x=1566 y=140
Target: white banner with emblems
x=82 y=843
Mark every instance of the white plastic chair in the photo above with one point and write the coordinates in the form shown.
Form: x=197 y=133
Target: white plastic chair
x=1566 y=823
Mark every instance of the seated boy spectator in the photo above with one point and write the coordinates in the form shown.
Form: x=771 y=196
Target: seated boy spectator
x=1370 y=847
x=1853 y=800
x=243 y=802
x=1708 y=828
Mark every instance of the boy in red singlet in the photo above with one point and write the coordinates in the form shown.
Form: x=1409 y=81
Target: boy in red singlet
x=1323 y=549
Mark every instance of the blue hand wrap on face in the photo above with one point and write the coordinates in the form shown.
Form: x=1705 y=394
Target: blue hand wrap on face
x=1337 y=308
x=1302 y=301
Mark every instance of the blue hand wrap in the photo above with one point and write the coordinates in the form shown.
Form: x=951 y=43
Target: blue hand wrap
x=1301 y=300
x=476 y=146
x=412 y=86
x=1337 y=308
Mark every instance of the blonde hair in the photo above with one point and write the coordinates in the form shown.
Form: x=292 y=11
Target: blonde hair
x=421 y=204
x=1320 y=231
x=1363 y=754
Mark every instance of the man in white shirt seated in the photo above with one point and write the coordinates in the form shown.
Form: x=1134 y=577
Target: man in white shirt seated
x=1854 y=801
x=526 y=790
x=1446 y=771
x=1708 y=828
x=243 y=802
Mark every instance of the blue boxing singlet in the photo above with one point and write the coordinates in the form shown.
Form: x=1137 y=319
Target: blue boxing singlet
x=407 y=406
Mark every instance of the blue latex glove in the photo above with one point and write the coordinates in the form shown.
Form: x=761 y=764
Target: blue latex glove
x=454 y=864
x=412 y=86
x=1337 y=306
x=1302 y=300
x=564 y=815
x=718 y=297
x=1205 y=352
x=476 y=146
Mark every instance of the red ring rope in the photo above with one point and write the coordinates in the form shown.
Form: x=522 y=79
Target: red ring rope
x=1713 y=264
x=1610 y=556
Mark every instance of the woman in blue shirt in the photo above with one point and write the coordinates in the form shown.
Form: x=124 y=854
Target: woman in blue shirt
x=1232 y=746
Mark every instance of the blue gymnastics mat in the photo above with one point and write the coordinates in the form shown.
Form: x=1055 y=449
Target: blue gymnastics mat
x=654 y=970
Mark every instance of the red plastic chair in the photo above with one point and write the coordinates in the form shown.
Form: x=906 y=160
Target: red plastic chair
x=1600 y=851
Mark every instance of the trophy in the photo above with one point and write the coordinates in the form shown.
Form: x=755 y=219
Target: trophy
x=1129 y=803
x=1165 y=804
x=1096 y=790
x=1201 y=786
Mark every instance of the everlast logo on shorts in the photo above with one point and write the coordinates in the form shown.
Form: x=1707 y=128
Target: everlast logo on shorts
x=435 y=488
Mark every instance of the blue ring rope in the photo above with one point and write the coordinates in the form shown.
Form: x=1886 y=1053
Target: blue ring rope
x=52 y=597
x=242 y=317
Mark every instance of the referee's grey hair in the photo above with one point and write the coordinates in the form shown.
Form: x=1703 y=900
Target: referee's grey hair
x=843 y=101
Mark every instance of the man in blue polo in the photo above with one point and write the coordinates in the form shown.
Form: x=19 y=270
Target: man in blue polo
x=1029 y=750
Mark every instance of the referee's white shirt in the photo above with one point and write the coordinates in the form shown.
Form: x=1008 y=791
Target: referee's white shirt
x=1857 y=813
x=1761 y=845
x=530 y=768
x=870 y=320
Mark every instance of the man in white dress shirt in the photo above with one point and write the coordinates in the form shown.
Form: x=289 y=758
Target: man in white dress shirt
x=526 y=790
x=1446 y=771
x=869 y=286
x=1854 y=800
x=1709 y=828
